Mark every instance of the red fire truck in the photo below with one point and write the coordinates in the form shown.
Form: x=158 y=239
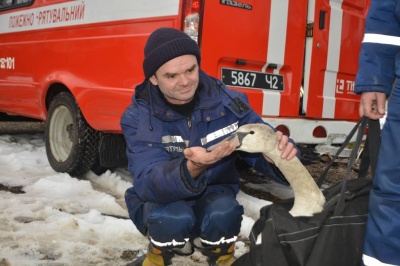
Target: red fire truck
x=75 y=64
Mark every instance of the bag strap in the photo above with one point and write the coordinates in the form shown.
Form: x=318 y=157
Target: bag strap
x=371 y=149
x=340 y=205
x=374 y=138
x=257 y=227
x=363 y=122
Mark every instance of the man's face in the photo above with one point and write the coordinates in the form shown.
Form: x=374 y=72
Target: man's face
x=178 y=79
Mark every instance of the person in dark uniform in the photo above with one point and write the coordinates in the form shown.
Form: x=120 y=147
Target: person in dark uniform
x=183 y=196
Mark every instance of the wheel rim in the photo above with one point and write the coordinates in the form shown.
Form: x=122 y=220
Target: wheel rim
x=61 y=135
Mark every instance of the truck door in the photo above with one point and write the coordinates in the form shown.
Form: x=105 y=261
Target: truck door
x=335 y=30
x=257 y=46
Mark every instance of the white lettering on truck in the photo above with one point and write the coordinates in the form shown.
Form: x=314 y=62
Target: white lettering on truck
x=343 y=85
x=7 y=63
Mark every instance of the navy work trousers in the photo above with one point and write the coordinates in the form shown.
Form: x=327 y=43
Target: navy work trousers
x=212 y=217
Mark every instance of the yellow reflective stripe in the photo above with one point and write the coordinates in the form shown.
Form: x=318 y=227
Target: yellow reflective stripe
x=382 y=39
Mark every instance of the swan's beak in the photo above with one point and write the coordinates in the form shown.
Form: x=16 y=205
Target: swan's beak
x=239 y=136
x=235 y=138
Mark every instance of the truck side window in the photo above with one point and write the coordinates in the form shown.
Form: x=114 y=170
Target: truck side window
x=10 y=4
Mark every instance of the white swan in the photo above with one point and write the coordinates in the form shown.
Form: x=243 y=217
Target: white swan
x=254 y=138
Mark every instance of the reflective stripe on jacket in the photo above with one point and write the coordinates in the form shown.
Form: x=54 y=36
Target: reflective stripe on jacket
x=380 y=48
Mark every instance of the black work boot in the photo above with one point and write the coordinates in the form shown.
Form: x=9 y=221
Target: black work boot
x=221 y=255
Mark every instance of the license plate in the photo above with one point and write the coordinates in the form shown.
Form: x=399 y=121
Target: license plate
x=251 y=79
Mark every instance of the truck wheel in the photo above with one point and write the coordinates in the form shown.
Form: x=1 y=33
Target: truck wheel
x=71 y=144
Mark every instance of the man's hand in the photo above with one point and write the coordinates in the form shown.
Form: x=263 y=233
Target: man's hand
x=198 y=159
x=373 y=104
x=288 y=149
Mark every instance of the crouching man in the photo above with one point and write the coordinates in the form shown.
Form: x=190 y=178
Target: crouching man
x=184 y=197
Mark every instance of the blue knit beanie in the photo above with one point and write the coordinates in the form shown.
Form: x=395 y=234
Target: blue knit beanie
x=165 y=44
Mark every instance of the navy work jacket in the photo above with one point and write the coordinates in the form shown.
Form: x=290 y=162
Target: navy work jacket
x=379 y=60
x=156 y=136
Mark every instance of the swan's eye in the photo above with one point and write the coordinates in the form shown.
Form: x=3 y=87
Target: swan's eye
x=252 y=132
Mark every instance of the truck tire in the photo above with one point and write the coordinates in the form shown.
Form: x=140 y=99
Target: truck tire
x=71 y=144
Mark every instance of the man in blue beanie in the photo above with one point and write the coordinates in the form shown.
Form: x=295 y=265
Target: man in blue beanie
x=184 y=197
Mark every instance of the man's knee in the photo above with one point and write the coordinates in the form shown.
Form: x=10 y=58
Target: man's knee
x=222 y=218
x=173 y=221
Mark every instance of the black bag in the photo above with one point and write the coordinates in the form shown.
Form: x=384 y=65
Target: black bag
x=333 y=237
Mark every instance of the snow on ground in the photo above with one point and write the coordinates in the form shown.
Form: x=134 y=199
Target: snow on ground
x=61 y=220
